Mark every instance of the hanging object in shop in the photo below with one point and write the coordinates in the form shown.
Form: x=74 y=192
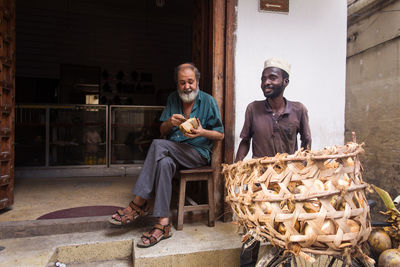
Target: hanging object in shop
x=160 y=3
x=281 y=6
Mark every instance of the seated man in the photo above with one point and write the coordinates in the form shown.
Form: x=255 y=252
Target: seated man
x=190 y=150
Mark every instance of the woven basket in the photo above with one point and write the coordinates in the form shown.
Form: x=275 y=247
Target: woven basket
x=308 y=202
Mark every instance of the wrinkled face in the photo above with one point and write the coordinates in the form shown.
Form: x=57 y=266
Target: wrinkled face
x=272 y=83
x=187 y=85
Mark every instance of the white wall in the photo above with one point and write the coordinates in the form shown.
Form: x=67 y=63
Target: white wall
x=312 y=37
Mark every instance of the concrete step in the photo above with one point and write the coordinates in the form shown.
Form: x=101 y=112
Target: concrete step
x=111 y=263
x=19 y=229
x=196 y=245
x=30 y=228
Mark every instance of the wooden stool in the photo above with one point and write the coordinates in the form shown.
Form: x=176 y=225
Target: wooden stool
x=197 y=174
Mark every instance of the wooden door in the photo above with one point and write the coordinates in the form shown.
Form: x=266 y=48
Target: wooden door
x=201 y=48
x=7 y=93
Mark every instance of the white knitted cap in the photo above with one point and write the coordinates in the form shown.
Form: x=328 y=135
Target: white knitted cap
x=275 y=62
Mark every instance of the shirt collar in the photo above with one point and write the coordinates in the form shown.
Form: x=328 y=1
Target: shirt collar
x=198 y=99
x=288 y=106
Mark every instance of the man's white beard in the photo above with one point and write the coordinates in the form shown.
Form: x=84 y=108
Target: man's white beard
x=188 y=98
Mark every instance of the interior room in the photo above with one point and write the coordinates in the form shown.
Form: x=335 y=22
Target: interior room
x=92 y=76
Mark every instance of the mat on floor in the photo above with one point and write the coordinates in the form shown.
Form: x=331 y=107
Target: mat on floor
x=87 y=211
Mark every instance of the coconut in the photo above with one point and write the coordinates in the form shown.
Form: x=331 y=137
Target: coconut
x=353 y=225
x=282 y=228
x=345 y=180
x=318 y=186
x=328 y=228
x=301 y=189
x=337 y=202
x=266 y=207
x=292 y=186
x=350 y=162
x=312 y=207
x=328 y=186
x=379 y=241
x=389 y=258
x=309 y=231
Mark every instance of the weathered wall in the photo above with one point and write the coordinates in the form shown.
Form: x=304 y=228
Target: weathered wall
x=312 y=37
x=373 y=95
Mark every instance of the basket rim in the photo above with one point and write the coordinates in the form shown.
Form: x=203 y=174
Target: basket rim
x=352 y=150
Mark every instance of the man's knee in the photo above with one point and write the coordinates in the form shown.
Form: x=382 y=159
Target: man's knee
x=159 y=142
x=167 y=162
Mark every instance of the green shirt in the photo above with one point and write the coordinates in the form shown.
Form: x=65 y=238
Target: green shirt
x=205 y=108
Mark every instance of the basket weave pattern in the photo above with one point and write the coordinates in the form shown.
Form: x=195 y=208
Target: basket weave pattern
x=308 y=202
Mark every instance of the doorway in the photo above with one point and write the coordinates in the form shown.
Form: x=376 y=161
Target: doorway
x=49 y=40
x=117 y=54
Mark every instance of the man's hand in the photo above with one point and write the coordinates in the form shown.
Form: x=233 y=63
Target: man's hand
x=176 y=119
x=195 y=132
x=243 y=149
x=209 y=134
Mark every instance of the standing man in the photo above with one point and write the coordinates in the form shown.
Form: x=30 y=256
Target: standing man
x=189 y=150
x=272 y=125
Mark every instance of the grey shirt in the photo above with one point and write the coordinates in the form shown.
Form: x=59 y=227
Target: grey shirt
x=271 y=134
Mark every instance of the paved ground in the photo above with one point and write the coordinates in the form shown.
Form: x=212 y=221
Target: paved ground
x=35 y=197
x=91 y=241
x=42 y=243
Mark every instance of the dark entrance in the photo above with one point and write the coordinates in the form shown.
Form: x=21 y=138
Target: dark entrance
x=117 y=54
x=56 y=38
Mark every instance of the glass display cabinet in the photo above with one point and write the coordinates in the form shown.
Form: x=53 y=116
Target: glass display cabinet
x=132 y=129
x=78 y=135
x=82 y=135
x=30 y=135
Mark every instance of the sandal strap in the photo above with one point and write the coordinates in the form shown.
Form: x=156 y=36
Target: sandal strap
x=123 y=217
x=140 y=210
x=165 y=229
x=120 y=213
x=152 y=239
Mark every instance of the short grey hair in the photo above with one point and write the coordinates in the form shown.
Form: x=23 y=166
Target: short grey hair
x=187 y=65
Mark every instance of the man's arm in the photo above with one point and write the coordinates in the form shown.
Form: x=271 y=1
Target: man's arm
x=305 y=132
x=209 y=134
x=174 y=120
x=243 y=149
x=246 y=134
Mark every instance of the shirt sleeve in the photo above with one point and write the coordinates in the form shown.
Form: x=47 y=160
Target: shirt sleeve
x=305 y=132
x=214 y=121
x=247 y=132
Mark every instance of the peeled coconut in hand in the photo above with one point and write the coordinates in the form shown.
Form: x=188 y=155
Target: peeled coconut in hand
x=188 y=125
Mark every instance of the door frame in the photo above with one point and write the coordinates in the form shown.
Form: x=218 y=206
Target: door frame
x=224 y=21
x=7 y=101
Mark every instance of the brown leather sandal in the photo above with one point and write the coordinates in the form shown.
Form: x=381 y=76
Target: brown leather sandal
x=166 y=233
x=127 y=218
